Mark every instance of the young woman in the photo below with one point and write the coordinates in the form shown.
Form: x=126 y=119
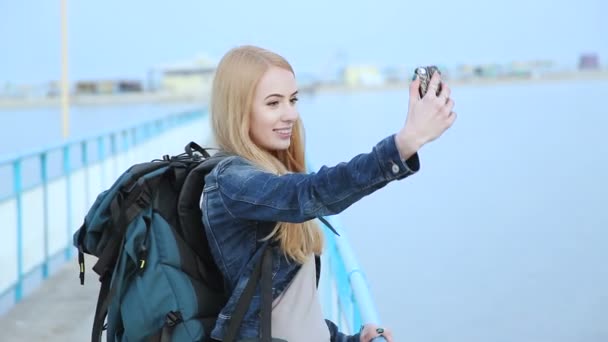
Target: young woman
x=263 y=194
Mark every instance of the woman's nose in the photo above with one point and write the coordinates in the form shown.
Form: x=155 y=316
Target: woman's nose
x=290 y=113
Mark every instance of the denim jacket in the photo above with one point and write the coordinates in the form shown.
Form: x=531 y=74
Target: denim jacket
x=241 y=204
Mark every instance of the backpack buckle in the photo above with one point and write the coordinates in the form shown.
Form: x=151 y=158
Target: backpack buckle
x=141 y=202
x=173 y=318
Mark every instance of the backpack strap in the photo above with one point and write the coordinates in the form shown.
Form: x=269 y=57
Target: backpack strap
x=103 y=268
x=110 y=288
x=101 y=310
x=81 y=253
x=263 y=270
x=192 y=147
x=325 y=222
x=133 y=204
x=123 y=211
x=266 y=296
x=189 y=209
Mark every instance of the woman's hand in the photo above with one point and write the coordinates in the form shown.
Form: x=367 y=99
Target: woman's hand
x=427 y=117
x=370 y=331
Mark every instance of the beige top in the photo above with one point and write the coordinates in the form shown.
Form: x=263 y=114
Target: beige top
x=297 y=315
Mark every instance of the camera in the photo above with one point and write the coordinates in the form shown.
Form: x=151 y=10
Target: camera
x=425 y=73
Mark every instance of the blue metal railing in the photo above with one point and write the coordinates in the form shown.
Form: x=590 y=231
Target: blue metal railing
x=67 y=166
x=352 y=301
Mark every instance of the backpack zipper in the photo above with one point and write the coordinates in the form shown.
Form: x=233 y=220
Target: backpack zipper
x=142 y=253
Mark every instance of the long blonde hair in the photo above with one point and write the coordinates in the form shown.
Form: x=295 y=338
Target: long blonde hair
x=236 y=78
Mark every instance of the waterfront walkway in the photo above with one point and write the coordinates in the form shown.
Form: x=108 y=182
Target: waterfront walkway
x=60 y=309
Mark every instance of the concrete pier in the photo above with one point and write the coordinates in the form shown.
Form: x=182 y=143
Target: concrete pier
x=60 y=309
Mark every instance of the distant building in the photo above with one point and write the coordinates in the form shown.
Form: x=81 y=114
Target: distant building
x=190 y=77
x=362 y=75
x=589 y=61
x=519 y=69
x=108 y=87
x=464 y=72
x=53 y=89
x=397 y=74
x=488 y=70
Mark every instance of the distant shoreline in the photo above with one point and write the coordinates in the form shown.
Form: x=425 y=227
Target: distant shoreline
x=475 y=81
x=103 y=100
x=203 y=99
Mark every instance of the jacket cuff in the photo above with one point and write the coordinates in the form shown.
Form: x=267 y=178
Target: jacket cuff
x=391 y=164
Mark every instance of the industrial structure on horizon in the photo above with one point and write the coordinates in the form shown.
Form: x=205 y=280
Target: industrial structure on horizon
x=195 y=76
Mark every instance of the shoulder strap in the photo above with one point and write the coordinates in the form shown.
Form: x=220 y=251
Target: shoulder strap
x=101 y=309
x=325 y=222
x=266 y=296
x=123 y=211
x=188 y=206
x=263 y=270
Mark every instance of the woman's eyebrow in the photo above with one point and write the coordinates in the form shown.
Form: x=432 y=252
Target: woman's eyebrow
x=280 y=95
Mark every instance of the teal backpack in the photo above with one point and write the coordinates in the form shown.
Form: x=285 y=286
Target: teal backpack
x=158 y=279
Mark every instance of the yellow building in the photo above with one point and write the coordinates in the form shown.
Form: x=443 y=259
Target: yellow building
x=362 y=75
x=188 y=78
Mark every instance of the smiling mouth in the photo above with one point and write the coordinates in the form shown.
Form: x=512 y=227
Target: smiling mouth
x=282 y=130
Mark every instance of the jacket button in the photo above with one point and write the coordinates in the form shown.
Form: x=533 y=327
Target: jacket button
x=395 y=168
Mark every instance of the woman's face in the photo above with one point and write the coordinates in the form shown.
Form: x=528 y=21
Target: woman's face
x=274 y=112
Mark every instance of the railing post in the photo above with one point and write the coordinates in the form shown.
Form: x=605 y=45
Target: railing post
x=101 y=153
x=68 y=181
x=17 y=187
x=134 y=136
x=133 y=145
x=113 y=153
x=45 y=212
x=85 y=163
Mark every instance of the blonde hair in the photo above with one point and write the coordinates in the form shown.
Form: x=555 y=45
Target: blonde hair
x=236 y=78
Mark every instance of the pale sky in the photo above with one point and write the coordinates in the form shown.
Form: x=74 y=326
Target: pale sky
x=114 y=38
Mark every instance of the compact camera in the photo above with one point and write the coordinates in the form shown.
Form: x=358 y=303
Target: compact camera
x=425 y=73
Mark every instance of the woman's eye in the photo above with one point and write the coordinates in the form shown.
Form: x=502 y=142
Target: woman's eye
x=294 y=100
x=273 y=103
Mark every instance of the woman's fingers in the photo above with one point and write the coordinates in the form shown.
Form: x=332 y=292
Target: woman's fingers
x=414 y=90
x=433 y=85
x=445 y=92
x=371 y=331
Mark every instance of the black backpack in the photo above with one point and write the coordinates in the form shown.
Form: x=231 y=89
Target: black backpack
x=158 y=279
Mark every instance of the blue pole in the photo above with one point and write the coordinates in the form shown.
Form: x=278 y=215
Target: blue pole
x=135 y=136
x=45 y=212
x=101 y=149
x=113 y=144
x=125 y=140
x=18 y=196
x=113 y=152
x=85 y=163
x=68 y=181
